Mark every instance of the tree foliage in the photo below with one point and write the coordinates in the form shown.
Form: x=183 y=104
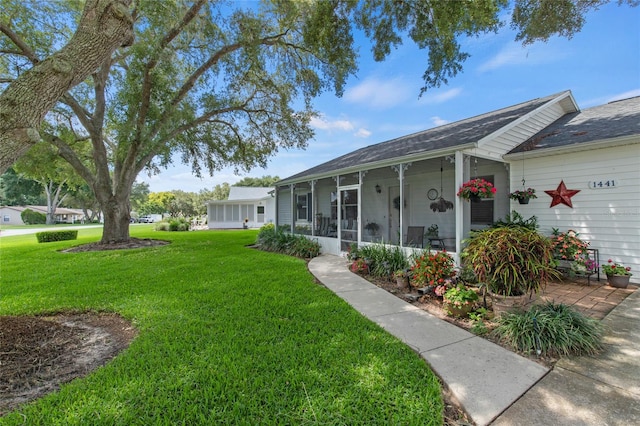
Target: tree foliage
x=18 y=190
x=36 y=77
x=261 y=182
x=218 y=84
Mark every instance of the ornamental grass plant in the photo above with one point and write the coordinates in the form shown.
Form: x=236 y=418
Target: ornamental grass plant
x=552 y=329
x=227 y=335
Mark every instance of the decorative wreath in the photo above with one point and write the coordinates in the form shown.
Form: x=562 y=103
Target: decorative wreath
x=396 y=203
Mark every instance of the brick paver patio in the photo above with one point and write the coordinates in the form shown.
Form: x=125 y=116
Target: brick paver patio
x=596 y=299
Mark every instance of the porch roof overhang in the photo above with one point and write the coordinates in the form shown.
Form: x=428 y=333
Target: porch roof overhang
x=376 y=164
x=469 y=136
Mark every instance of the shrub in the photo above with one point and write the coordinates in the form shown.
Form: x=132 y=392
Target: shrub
x=432 y=269
x=550 y=329
x=174 y=224
x=515 y=219
x=383 y=260
x=271 y=239
x=30 y=217
x=51 y=236
x=512 y=261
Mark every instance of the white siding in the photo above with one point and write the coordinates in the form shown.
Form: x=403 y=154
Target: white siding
x=608 y=218
x=495 y=147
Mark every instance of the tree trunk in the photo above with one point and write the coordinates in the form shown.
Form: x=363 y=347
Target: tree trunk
x=105 y=25
x=117 y=219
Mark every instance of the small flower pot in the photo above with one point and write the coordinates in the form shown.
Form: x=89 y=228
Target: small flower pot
x=618 y=281
x=523 y=200
x=458 y=311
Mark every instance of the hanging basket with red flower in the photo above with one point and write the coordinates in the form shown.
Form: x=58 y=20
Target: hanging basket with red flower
x=476 y=188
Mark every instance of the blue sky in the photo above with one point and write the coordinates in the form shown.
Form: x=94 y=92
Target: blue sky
x=599 y=64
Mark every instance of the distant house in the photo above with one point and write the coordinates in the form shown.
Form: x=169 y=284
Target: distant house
x=385 y=192
x=11 y=215
x=248 y=207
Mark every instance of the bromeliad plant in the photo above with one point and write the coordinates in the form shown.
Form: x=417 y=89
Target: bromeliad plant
x=613 y=268
x=478 y=187
x=432 y=269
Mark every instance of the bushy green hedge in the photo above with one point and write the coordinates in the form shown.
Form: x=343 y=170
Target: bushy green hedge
x=272 y=239
x=51 y=236
x=177 y=224
x=30 y=217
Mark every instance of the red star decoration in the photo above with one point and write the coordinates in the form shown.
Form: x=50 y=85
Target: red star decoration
x=562 y=195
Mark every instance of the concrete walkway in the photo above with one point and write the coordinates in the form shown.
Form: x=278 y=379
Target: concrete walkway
x=485 y=378
x=496 y=386
x=598 y=390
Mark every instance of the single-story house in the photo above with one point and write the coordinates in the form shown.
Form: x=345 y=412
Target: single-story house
x=11 y=215
x=588 y=160
x=248 y=207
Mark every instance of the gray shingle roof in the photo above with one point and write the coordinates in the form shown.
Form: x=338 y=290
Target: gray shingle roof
x=449 y=136
x=612 y=120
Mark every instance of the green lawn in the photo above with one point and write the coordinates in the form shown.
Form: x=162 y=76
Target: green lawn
x=228 y=335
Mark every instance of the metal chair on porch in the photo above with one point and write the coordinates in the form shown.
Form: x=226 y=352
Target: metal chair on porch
x=415 y=236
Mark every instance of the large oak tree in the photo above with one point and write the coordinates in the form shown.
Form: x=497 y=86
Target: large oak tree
x=224 y=84
x=103 y=26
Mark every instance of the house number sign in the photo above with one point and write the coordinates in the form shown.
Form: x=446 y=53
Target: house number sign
x=603 y=184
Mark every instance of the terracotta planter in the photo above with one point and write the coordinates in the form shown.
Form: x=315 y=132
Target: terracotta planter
x=618 y=281
x=502 y=304
x=402 y=282
x=458 y=311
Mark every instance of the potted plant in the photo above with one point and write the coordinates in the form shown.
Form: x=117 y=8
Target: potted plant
x=568 y=248
x=360 y=266
x=514 y=263
x=401 y=277
x=476 y=189
x=459 y=300
x=523 y=196
x=617 y=274
x=372 y=228
x=432 y=231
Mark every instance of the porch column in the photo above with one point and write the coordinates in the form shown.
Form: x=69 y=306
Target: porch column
x=459 y=204
x=292 y=203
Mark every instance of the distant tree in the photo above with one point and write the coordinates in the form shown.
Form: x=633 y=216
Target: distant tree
x=84 y=198
x=261 y=182
x=183 y=204
x=103 y=26
x=42 y=164
x=219 y=192
x=163 y=199
x=152 y=207
x=139 y=194
x=18 y=190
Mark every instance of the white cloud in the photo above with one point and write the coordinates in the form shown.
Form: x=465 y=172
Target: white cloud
x=362 y=133
x=437 y=121
x=323 y=123
x=378 y=93
x=513 y=54
x=438 y=98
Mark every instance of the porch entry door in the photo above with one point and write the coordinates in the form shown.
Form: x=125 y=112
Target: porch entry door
x=395 y=234
x=348 y=217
